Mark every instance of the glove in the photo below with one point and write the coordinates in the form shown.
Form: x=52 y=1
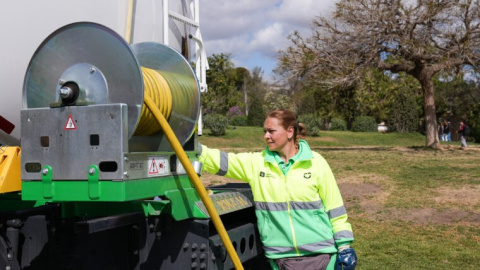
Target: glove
x=346 y=258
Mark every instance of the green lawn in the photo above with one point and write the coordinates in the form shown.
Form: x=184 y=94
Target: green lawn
x=410 y=207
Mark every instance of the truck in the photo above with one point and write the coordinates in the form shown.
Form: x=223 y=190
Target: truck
x=100 y=115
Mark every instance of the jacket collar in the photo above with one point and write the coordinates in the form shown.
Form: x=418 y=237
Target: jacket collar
x=304 y=150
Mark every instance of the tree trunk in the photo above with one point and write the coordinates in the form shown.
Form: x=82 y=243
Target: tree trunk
x=431 y=128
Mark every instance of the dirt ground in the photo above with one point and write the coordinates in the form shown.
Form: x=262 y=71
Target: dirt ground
x=370 y=198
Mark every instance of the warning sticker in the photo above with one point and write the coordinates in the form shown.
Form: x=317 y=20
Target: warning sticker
x=70 y=123
x=158 y=165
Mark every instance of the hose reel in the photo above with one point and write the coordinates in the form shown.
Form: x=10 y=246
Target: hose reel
x=86 y=63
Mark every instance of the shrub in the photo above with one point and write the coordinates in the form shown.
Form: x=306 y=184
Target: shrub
x=216 y=123
x=238 y=121
x=404 y=116
x=234 y=111
x=338 y=124
x=475 y=134
x=256 y=115
x=312 y=124
x=364 y=124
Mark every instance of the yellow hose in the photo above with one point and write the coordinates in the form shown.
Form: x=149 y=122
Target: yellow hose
x=177 y=147
x=157 y=88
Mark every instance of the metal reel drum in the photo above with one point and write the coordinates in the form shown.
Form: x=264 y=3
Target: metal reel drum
x=70 y=54
x=101 y=68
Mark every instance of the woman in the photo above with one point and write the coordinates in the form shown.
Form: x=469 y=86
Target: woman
x=300 y=213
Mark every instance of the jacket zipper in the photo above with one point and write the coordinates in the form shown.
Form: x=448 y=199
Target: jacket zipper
x=294 y=237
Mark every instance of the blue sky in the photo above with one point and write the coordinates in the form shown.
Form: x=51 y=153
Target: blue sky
x=253 y=31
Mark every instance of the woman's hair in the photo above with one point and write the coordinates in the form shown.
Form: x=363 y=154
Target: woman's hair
x=289 y=119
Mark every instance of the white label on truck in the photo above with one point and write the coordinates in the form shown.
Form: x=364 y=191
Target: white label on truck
x=157 y=166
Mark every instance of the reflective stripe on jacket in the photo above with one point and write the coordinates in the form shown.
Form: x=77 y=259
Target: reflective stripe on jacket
x=300 y=213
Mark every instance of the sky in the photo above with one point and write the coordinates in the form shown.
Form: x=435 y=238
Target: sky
x=254 y=31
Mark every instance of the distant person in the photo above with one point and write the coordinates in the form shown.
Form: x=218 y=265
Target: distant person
x=300 y=212
x=440 y=131
x=446 y=131
x=464 y=132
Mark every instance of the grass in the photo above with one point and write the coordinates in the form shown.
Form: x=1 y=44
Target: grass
x=411 y=207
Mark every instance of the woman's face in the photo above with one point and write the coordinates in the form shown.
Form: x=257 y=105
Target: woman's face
x=276 y=136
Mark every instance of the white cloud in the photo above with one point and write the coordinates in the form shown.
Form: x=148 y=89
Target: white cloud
x=255 y=30
x=301 y=13
x=270 y=39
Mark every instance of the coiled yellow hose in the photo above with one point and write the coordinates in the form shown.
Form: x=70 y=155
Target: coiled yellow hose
x=157 y=88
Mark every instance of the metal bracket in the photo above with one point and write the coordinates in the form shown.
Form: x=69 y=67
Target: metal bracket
x=93 y=183
x=47 y=186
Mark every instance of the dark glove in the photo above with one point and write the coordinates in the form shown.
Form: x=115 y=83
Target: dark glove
x=346 y=259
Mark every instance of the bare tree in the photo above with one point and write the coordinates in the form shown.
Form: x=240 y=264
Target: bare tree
x=418 y=37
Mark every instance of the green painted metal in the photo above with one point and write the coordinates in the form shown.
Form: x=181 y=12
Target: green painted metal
x=184 y=203
x=94 y=190
x=93 y=186
x=174 y=195
x=95 y=209
x=47 y=185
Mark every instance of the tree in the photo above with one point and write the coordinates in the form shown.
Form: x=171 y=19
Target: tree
x=242 y=78
x=403 y=114
x=221 y=79
x=257 y=114
x=256 y=96
x=379 y=92
x=275 y=100
x=420 y=38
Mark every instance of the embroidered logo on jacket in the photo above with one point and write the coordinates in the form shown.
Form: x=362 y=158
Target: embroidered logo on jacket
x=266 y=175
x=307 y=175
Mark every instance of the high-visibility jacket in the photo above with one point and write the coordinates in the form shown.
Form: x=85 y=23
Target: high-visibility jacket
x=300 y=213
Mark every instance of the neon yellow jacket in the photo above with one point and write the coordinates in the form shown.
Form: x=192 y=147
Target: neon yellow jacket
x=300 y=213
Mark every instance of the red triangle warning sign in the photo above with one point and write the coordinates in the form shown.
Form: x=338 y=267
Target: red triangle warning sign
x=70 y=123
x=153 y=167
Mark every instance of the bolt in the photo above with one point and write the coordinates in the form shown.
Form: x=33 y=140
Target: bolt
x=203 y=247
x=92 y=70
x=65 y=92
x=185 y=246
x=45 y=171
x=91 y=171
x=126 y=159
x=61 y=82
x=194 y=247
